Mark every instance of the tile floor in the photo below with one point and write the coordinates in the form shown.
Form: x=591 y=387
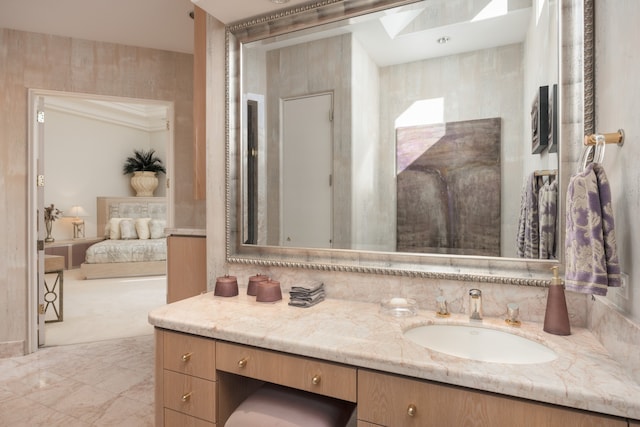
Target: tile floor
x=106 y=383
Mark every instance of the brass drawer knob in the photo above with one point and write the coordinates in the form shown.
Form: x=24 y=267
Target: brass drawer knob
x=412 y=410
x=316 y=379
x=186 y=357
x=242 y=362
x=185 y=397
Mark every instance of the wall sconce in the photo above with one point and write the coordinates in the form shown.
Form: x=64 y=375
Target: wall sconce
x=78 y=224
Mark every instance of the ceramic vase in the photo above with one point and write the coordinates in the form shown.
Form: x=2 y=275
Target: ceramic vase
x=145 y=183
x=48 y=225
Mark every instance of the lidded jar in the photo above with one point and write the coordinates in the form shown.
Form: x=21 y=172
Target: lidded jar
x=269 y=291
x=226 y=286
x=252 y=288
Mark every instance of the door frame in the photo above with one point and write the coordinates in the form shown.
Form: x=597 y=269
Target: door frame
x=35 y=269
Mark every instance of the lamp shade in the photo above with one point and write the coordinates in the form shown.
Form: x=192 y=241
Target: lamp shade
x=77 y=211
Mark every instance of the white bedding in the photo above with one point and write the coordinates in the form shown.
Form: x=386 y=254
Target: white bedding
x=136 y=250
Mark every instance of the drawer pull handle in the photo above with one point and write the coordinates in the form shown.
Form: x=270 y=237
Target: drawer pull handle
x=412 y=410
x=186 y=396
x=186 y=357
x=316 y=379
x=242 y=362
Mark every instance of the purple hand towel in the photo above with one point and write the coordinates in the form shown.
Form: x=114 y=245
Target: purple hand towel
x=548 y=207
x=590 y=246
x=528 y=239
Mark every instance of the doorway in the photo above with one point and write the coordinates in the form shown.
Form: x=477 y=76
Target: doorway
x=77 y=146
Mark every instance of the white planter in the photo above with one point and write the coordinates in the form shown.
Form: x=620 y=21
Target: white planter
x=145 y=183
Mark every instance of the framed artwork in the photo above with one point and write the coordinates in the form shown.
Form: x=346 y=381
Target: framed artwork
x=540 y=120
x=553 y=119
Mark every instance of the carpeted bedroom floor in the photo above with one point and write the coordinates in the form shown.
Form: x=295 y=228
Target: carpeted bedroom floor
x=102 y=309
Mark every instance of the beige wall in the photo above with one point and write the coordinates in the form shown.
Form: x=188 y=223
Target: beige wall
x=30 y=60
x=618 y=106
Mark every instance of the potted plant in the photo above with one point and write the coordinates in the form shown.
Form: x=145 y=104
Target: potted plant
x=51 y=213
x=144 y=167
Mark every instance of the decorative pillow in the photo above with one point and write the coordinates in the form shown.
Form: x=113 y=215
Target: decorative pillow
x=128 y=229
x=156 y=228
x=114 y=228
x=142 y=228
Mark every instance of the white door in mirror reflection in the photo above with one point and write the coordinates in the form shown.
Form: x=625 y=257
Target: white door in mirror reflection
x=306 y=171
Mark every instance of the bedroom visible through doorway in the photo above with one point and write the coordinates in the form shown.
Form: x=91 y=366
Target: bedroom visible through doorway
x=85 y=140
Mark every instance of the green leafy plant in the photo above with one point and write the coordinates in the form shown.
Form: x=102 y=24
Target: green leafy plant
x=143 y=161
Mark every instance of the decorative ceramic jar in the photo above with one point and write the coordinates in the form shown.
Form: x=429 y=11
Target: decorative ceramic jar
x=145 y=183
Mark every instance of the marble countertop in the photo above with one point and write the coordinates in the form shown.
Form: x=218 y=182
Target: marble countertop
x=583 y=376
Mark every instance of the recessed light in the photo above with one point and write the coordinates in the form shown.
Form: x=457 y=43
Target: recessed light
x=279 y=1
x=443 y=40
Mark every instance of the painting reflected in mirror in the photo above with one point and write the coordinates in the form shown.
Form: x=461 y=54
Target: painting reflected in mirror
x=424 y=142
x=437 y=166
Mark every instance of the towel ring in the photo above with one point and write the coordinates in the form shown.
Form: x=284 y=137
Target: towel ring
x=593 y=153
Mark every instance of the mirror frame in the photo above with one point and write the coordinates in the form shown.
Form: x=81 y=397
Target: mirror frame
x=576 y=88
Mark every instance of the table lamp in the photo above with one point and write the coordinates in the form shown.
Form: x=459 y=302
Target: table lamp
x=78 y=223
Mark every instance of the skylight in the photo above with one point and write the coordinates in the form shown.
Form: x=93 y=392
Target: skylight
x=423 y=112
x=494 y=9
x=397 y=21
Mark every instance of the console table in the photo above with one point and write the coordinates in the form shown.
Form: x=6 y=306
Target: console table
x=54 y=264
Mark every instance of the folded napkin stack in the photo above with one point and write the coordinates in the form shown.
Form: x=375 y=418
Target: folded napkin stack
x=306 y=294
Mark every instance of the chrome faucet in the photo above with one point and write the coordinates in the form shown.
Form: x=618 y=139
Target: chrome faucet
x=475 y=304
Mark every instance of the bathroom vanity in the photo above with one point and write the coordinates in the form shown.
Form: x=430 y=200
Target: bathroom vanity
x=212 y=352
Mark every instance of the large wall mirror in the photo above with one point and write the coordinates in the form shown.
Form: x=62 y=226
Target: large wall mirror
x=395 y=137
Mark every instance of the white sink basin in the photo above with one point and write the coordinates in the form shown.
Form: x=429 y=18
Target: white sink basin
x=482 y=344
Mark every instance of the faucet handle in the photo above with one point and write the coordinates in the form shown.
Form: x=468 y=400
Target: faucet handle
x=513 y=312
x=442 y=310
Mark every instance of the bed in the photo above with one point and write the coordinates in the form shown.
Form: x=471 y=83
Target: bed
x=135 y=242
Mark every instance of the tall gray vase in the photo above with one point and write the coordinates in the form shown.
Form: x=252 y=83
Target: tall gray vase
x=48 y=225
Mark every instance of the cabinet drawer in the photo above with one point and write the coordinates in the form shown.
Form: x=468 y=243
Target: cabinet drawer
x=176 y=419
x=190 y=395
x=326 y=378
x=390 y=400
x=190 y=355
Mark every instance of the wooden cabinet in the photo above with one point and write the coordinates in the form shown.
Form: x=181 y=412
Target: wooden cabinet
x=186 y=267
x=200 y=381
x=302 y=373
x=186 y=380
x=199 y=104
x=391 y=400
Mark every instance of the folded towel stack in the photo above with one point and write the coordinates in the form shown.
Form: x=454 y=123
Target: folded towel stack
x=306 y=294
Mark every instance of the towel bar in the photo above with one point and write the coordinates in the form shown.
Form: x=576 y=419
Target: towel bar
x=546 y=172
x=609 y=138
